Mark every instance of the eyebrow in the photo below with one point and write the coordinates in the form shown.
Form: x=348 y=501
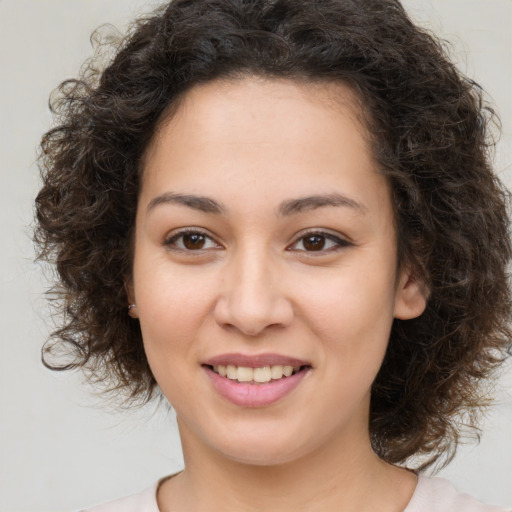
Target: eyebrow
x=201 y=203
x=286 y=208
x=307 y=203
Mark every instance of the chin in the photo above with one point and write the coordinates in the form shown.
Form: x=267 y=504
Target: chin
x=258 y=449
x=268 y=456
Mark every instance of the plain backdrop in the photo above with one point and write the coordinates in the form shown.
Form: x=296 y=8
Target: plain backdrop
x=60 y=448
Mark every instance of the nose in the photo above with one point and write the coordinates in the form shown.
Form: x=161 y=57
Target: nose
x=251 y=298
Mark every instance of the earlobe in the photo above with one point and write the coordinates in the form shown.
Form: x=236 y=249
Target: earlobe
x=411 y=298
x=132 y=307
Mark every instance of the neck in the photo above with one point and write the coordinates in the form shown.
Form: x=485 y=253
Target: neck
x=336 y=476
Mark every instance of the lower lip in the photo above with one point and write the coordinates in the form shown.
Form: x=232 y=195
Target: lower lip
x=255 y=395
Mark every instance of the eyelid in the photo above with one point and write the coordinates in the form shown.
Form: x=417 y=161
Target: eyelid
x=339 y=239
x=175 y=234
x=335 y=237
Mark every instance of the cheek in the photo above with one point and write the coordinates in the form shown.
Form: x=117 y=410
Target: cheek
x=349 y=301
x=351 y=312
x=172 y=307
x=167 y=293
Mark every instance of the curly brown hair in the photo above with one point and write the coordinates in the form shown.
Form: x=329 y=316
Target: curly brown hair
x=429 y=127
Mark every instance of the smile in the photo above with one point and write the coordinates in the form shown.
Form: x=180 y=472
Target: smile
x=255 y=375
x=255 y=381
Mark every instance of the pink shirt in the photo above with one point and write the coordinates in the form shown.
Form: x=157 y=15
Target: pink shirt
x=431 y=495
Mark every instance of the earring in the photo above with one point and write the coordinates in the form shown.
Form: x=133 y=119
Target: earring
x=131 y=306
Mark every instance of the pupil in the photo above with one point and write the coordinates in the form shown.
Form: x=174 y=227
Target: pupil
x=193 y=241
x=314 y=243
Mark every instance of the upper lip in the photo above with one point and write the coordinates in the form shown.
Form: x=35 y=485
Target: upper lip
x=255 y=361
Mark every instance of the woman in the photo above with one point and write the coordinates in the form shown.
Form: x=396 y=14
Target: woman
x=281 y=215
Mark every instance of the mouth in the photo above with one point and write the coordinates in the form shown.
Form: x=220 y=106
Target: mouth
x=259 y=375
x=255 y=381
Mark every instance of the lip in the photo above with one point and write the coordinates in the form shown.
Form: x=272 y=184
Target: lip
x=255 y=361
x=255 y=395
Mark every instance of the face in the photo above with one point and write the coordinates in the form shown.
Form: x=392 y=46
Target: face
x=265 y=245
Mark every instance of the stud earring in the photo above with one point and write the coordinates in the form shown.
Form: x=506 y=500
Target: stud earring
x=131 y=306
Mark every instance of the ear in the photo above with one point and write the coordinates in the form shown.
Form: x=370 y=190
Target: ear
x=411 y=296
x=130 y=293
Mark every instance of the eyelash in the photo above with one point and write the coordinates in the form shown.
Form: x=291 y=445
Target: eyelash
x=171 y=242
x=340 y=242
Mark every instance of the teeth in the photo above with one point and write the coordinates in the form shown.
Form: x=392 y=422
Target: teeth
x=231 y=372
x=244 y=374
x=287 y=370
x=260 y=375
x=276 y=371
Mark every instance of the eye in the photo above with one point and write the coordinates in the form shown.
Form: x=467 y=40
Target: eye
x=320 y=242
x=191 y=240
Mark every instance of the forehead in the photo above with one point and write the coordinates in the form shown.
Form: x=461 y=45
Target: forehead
x=277 y=139
x=210 y=106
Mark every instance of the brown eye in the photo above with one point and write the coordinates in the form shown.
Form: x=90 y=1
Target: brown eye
x=319 y=242
x=313 y=242
x=191 y=241
x=194 y=241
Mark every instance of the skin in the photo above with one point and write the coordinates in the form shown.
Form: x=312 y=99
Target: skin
x=252 y=145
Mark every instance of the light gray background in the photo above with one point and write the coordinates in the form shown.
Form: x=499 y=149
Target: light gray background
x=58 y=450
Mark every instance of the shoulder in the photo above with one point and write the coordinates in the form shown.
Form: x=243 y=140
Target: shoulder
x=144 y=501
x=438 y=495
